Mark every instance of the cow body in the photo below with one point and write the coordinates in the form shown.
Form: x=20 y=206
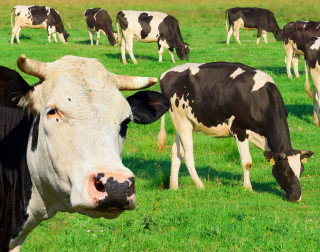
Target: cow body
x=230 y=99
x=66 y=155
x=251 y=18
x=98 y=20
x=147 y=26
x=38 y=17
x=312 y=57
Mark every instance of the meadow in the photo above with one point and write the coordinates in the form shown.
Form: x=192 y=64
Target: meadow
x=223 y=216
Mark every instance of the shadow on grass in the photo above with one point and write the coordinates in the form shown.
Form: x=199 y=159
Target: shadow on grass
x=275 y=70
x=301 y=111
x=138 y=57
x=158 y=174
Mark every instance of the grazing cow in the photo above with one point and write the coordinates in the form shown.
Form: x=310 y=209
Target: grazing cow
x=296 y=34
x=147 y=26
x=38 y=17
x=230 y=99
x=312 y=57
x=250 y=19
x=98 y=20
x=66 y=155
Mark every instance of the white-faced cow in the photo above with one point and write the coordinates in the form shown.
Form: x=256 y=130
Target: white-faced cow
x=38 y=17
x=98 y=20
x=296 y=34
x=230 y=99
x=66 y=155
x=147 y=26
x=251 y=19
x=312 y=57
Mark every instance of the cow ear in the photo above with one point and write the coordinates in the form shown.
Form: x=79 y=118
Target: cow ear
x=270 y=156
x=304 y=155
x=147 y=106
x=15 y=91
x=12 y=87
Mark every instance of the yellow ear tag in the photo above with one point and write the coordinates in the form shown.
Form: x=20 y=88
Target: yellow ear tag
x=272 y=162
x=304 y=160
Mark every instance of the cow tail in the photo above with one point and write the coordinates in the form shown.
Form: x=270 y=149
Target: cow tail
x=225 y=17
x=161 y=139
x=119 y=35
x=11 y=19
x=307 y=83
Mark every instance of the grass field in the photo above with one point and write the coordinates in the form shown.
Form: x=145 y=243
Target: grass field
x=223 y=216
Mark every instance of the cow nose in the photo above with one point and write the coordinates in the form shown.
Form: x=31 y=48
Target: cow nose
x=112 y=191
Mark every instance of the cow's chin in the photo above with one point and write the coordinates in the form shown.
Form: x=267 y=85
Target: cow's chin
x=109 y=213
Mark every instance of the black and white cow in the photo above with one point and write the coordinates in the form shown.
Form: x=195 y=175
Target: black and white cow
x=296 y=34
x=98 y=20
x=312 y=57
x=66 y=155
x=38 y=17
x=147 y=26
x=230 y=99
x=251 y=19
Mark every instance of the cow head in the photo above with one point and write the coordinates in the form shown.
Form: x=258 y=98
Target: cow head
x=278 y=35
x=75 y=147
x=287 y=169
x=183 y=51
x=64 y=37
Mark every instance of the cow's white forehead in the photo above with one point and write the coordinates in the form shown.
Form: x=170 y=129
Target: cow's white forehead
x=295 y=164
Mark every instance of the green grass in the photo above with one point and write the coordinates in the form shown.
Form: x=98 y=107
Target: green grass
x=223 y=216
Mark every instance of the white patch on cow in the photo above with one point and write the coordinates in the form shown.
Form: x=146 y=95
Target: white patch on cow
x=260 y=79
x=316 y=45
x=258 y=140
x=194 y=68
x=295 y=164
x=236 y=73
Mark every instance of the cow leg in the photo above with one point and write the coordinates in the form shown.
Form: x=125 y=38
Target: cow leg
x=307 y=83
x=49 y=36
x=176 y=159
x=246 y=161
x=160 y=50
x=129 y=44
x=91 y=33
x=229 y=34
x=316 y=107
x=288 y=58
x=55 y=37
x=295 y=62
x=236 y=28
x=14 y=32
x=171 y=51
x=264 y=34
x=18 y=35
x=98 y=37
x=259 y=35
x=123 y=50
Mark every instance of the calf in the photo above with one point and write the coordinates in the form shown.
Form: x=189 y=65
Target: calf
x=312 y=57
x=98 y=20
x=38 y=17
x=296 y=34
x=230 y=99
x=66 y=155
x=249 y=19
x=147 y=26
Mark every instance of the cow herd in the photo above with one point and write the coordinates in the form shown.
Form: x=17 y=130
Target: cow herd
x=61 y=138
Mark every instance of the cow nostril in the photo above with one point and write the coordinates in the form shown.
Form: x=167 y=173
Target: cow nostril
x=99 y=186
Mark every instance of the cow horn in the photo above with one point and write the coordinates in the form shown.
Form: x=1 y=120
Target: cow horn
x=32 y=67
x=134 y=83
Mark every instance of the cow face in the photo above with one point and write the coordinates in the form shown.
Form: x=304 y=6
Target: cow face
x=279 y=35
x=183 y=52
x=75 y=149
x=287 y=169
x=64 y=37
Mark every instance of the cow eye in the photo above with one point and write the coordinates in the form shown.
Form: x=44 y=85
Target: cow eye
x=52 y=112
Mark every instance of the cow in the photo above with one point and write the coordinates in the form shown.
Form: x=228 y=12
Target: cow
x=224 y=99
x=147 y=26
x=312 y=58
x=296 y=34
x=34 y=16
x=61 y=142
x=98 y=20
x=250 y=19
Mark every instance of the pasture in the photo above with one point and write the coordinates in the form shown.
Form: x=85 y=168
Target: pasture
x=223 y=216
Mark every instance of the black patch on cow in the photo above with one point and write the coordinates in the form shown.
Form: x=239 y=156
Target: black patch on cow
x=99 y=176
x=123 y=21
x=15 y=182
x=69 y=99
x=18 y=13
x=177 y=102
x=312 y=56
x=144 y=20
x=35 y=133
x=124 y=127
x=38 y=14
x=147 y=106
x=183 y=106
x=99 y=19
x=12 y=86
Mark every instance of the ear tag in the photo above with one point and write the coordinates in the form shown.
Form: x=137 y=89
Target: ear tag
x=304 y=160
x=272 y=162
